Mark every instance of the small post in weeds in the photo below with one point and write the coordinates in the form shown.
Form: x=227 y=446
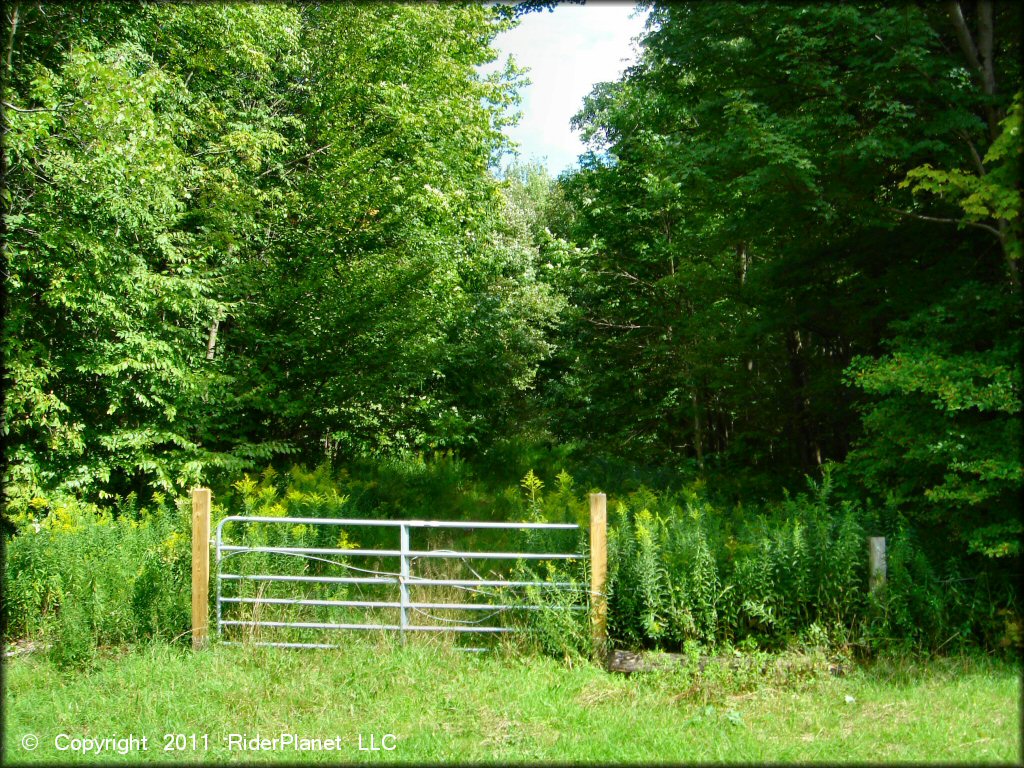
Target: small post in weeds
x=598 y=568
x=200 y=566
x=876 y=563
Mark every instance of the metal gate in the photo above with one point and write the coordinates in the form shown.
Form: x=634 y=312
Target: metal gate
x=404 y=579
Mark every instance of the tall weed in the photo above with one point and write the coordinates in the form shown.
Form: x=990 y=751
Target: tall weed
x=79 y=577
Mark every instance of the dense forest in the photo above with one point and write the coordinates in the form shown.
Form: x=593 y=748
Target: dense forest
x=243 y=235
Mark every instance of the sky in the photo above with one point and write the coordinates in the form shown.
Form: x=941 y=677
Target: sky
x=567 y=50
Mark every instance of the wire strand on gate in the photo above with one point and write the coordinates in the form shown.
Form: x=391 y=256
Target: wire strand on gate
x=458 y=621
x=319 y=559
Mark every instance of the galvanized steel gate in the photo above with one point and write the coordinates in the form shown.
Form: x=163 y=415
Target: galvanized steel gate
x=403 y=578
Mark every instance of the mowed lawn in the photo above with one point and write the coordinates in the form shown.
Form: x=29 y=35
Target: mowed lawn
x=442 y=705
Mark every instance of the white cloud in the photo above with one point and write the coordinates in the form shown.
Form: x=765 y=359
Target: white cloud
x=567 y=50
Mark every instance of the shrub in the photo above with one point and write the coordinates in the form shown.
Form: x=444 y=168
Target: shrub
x=681 y=570
x=82 y=577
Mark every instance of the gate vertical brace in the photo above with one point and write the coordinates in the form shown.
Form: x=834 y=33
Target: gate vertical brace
x=219 y=595
x=403 y=579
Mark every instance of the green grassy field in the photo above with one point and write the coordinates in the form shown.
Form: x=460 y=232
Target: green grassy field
x=441 y=705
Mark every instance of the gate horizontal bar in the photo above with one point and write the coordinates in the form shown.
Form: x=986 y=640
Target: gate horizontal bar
x=303 y=601
x=416 y=581
x=396 y=523
x=325 y=646
x=496 y=555
x=312 y=550
x=413 y=581
x=319 y=625
x=382 y=604
x=411 y=553
x=311 y=579
x=457 y=628
x=485 y=606
x=306 y=625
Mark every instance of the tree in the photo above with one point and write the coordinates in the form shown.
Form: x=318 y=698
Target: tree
x=755 y=199
x=238 y=231
x=106 y=293
x=387 y=249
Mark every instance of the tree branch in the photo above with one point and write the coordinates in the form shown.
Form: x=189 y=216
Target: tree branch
x=975 y=156
x=297 y=160
x=605 y=324
x=943 y=220
x=963 y=35
x=8 y=105
x=628 y=276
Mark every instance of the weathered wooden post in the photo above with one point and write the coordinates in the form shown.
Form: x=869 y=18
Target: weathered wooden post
x=599 y=569
x=876 y=563
x=200 y=566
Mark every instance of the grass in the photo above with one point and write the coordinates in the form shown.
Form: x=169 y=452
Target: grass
x=443 y=705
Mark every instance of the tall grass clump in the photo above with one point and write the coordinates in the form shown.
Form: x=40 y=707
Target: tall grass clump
x=77 y=576
x=683 y=571
x=798 y=566
x=558 y=621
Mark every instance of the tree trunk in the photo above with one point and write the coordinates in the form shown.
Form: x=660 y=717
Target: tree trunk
x=801 y=405
x=986 y=42
x=5 y=207
x=979 y=57
x=698 y=437
x=211 y=343
x=13 y=18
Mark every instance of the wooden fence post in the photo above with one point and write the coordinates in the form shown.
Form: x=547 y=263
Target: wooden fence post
x=599 y=569
x=200 y=566
x=876 y=563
